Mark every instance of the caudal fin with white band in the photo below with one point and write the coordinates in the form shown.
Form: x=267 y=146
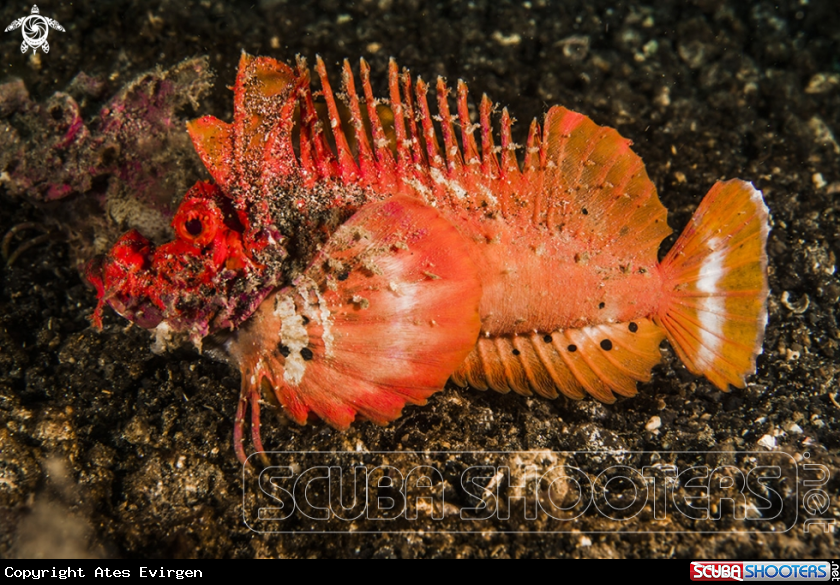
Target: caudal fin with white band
x=715 y=285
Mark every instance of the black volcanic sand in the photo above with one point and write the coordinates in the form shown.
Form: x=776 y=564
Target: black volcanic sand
x=107 y=450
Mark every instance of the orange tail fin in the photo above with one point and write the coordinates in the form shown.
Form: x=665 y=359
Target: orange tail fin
x=715 y=285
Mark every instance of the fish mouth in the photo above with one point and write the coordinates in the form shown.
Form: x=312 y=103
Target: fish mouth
x=213 y=276
x=151 y=299
x=119 y=284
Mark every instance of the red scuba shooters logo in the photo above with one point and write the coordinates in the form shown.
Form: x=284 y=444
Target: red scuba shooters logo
x=717 y=571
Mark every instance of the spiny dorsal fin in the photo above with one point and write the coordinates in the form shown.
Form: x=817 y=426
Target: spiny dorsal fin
x=258 y=143
x=597 y=189
x=577 y=178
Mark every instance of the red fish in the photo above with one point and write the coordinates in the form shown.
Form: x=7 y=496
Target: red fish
x=433 y=255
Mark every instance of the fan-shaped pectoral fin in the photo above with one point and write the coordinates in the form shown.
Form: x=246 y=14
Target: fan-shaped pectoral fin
x=382 y=317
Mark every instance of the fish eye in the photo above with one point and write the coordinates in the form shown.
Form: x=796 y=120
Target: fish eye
x=197 y=222
x=197 y=226
x=193 y=227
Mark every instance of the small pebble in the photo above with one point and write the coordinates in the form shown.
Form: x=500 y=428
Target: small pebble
x=768 y=442
x=794 y=429
x=819 y=181
x=585 y=541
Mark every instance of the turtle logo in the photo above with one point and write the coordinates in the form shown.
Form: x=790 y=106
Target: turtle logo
x=35 y=30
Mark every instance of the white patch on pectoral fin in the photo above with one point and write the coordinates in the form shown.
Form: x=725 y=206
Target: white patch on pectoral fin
x=294 y=336
x=320 y=313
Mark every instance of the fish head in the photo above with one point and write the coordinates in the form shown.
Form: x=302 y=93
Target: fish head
x=208 y=278
x=228 y=253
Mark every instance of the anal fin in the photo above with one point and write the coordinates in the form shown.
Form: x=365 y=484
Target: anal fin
x=601 y=360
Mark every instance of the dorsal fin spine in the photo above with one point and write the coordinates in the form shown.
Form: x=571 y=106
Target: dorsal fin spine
x=308 y=156
x=323 y=156
x=367 y=163
x=403 y=152
x=429 y=134
x=419 y=165
x=412 y=114
x=467 y=127
x=531 y=166
x=279 y=155
x=532 y=149
x=453 y=152
x=418 y=157
x=510 y=167
x=347 y=167
x=489 y=162
x=384 y=158
x=239 y=112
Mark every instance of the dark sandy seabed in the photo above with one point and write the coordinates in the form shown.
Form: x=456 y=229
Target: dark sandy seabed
x=107 y=450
